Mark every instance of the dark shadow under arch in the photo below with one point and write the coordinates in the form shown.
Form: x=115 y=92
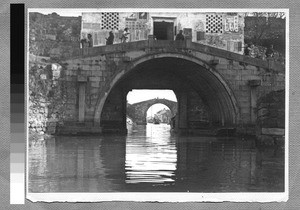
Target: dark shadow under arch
x=177 y=71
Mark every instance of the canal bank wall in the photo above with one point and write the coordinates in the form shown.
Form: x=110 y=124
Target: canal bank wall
x=51 y=38
x=270 y=126
x=46 y=96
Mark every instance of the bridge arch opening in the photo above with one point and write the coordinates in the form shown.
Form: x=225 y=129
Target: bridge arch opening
x=159 y=113
x=204 y=97
x=140 y=104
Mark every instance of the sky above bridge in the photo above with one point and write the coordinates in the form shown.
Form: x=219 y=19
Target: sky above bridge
x=136 y=96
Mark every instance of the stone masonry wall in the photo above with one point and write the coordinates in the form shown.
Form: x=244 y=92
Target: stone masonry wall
x=53 y=35
x=51 y=96
x=97 y=70
x=47 y=98
x=271 y=118
x=198 y=113
x=271 y=110
x=238 y=74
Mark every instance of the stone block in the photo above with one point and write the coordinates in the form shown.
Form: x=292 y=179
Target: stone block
x=126 y=59
x=67 y=72
x=134 y=54
x=94 y=96
x=69 y=62
x=94 y=67
x=95 y=79
x=86 y=73
x=204 y=57
x=281 y=84
x=104 y=73
x=237 y=66
x=89 y=124
x=262 y=112
x=250 y=77
x=70 y=106
x=232 y=72
x=222 y=67
x=245 y=117
x=95 y=84
x=273 y=131
x=97 y=73
x=237 y=77
x=82 y=78
x=254 y=82
x=71 y=101
x=94 y=90
x=214 y=61
x=245 y=111
x=71 y=78
x=250 y=67
x=241 y=82
x=246 y=72
x=74 y=72
x=84 y=61
x=266 y=140
x=244 y=106
x=75 y=67
x=269 y=122
x=223 y=61
x=86 y=67
x=74 y=61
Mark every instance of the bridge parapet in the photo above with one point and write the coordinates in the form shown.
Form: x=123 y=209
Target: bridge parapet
x=184 y=47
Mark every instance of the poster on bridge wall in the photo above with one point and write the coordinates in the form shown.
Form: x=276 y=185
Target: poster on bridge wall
x=218 y=133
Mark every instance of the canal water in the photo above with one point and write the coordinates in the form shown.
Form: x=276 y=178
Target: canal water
x=152 y=159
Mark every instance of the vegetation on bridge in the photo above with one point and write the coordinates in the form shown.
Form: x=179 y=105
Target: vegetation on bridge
x=264 y=29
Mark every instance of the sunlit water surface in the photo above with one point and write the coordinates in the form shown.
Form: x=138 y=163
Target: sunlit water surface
x=151 y=159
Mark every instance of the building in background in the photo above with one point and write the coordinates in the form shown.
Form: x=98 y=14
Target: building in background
x=221 y=30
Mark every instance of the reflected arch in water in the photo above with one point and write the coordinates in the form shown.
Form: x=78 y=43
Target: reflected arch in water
x=151 y=156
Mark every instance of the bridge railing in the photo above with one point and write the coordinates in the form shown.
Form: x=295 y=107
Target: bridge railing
x=175 y=46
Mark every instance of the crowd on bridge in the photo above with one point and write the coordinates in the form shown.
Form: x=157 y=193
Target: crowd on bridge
x=250 y=49
x=264 y=53
x=88 y=42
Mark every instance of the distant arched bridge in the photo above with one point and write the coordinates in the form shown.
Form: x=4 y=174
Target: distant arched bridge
x=138 y=111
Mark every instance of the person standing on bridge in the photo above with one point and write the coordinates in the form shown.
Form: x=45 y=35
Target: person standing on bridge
x=246 y=50
x=179 y=36
x=90 y=40
x=125 y=35
x=270 y=51
x=110 y=39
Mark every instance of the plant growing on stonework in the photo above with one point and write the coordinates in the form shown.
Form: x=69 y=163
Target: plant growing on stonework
x=265 y=29
x=56 y=99
x=45 y=95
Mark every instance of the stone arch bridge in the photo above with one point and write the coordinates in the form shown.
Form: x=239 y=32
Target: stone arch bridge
x=138 y=111
x=210 y=84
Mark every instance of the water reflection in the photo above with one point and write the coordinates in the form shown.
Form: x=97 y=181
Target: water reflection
x=150 y=158
x=150 y=155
